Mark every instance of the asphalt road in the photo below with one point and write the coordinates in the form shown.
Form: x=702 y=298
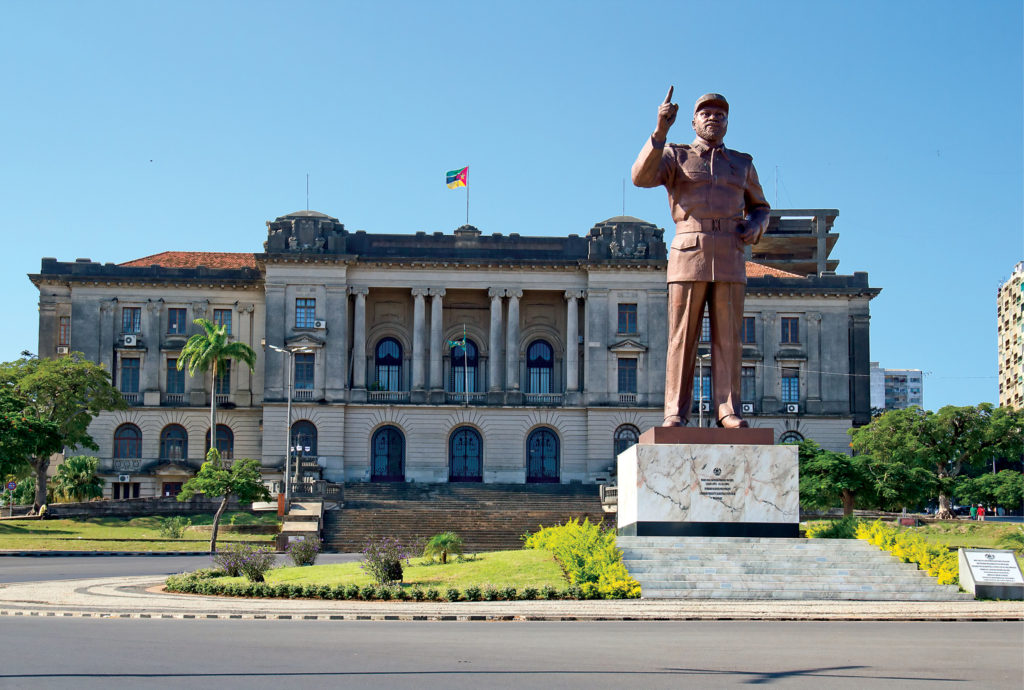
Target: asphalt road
x=100 y=653
x=45 y=568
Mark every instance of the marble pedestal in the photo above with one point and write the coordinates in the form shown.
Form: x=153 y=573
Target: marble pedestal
x=715 y=483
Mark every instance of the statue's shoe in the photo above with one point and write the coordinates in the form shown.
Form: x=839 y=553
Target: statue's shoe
x=733 y=421
x=674 y=421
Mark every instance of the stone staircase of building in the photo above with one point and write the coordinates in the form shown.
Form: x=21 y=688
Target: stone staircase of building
x=746 y=568
x=488 y=517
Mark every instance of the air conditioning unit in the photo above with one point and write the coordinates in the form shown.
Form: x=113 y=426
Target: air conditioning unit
x=319 y=324
x=748 y=408
x=62 y=349
x=124 y=478
x=131 y=340
x=792 y=408
x=705 y=407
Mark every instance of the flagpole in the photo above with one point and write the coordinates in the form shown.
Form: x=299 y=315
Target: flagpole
x=465 y=350
x=467 y=201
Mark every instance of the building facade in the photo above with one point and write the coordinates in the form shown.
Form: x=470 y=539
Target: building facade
x=437 y=357
x=896 y=389
x=1010 y=338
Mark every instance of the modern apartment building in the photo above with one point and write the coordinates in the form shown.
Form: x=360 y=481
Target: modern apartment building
x=1010 y=338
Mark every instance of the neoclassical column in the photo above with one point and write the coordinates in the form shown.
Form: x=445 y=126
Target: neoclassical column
x=494 y=346
x=419 y=338
x=151 y=365
x=436 y=333
x=359 y=338
x=512 y=340
x=572 y=348
x=107 y=334
x=274 y=332
x=770 y=367
x=336 y=348
x=814 y=364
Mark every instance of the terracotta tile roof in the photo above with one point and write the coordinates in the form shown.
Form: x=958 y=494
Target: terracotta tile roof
x=193 y=259
x=762 y=271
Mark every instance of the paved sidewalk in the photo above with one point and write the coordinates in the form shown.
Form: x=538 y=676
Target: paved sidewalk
x=141 y=597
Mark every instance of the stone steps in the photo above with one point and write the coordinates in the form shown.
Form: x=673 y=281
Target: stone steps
x=751 y=568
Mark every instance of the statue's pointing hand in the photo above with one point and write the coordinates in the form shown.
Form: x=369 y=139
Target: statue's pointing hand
x=666 y=116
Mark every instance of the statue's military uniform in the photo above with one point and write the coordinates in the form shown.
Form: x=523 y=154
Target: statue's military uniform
x=714 y=196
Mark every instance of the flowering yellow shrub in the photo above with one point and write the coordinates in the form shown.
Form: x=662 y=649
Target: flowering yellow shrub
x=588 y=557
x=910 y=547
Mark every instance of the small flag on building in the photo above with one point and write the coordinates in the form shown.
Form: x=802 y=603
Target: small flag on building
x=457 y=178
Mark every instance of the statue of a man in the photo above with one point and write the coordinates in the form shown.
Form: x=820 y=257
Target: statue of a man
x=718 y=206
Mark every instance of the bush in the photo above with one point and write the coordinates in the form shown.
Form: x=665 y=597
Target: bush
x=256 y=562
x=382 y=560
x=491 y=593
x=587 y=554
x=230 y=557
x=473 y=593
x=352 y=591
x=303 y=551
x=418 y=594
x=530 y=593
x=845 y=528
x=433 y=594
x=911 y=547
x=452 y=594
x=549 y=592
x=174 y=527
x=367 y=592
x=442 y=545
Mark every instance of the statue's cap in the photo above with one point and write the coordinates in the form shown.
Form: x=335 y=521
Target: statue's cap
x=716 y=99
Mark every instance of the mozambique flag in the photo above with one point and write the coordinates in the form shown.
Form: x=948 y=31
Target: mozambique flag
x=457 y=178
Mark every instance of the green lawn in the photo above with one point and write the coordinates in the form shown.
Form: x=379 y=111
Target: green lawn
x=519 y=569
x=120 y=534
x=968 y=534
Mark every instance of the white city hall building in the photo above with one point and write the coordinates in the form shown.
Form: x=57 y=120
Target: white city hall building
x=562 y=365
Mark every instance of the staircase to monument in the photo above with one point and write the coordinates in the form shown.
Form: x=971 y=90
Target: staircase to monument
x=748 y=568
x=488 y=517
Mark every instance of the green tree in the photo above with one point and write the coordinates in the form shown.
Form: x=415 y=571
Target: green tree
x=1003 y=489
x=241 y=478
x=828 y=478
x=76 y=479
x=212 y=350
x=22 y=435
x=944 y=442
x=443 y=544
x=67 y=392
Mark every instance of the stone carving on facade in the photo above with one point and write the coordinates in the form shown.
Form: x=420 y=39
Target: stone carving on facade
x=306 y=232
x=199 y=309
x=625 y=238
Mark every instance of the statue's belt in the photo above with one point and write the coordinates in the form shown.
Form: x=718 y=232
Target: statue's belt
x=692 y=224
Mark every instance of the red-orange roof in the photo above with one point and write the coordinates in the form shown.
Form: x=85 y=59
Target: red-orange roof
x=762 y=271
x=193 y=259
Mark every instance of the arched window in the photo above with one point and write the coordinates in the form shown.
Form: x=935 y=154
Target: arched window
x=388 y=461
x=465 y=456
x=791 y=437
x=626 y=436
x=388 y=365
x=173 y=442
x=464 y=368
x=304 y=438
x=225 y=441
x=540 y=362
x=127 y=442
x=542 y=456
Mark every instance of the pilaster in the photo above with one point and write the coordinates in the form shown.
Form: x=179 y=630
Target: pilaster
x=513 y=394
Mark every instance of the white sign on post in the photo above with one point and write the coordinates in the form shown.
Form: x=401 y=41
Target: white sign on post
x=991 y=573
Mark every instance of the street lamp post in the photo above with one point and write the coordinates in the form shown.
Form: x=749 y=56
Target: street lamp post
x=700 y=394
x=289 y=392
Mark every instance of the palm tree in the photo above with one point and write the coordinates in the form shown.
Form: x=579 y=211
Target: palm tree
x=76 y=479
x=210 y=351
x=443 y=544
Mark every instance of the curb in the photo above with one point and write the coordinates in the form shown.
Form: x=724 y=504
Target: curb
x=46 y=554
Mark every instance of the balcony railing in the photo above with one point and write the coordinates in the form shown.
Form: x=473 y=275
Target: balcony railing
x=303 y=394
x=627 y=398
x=174 y=398
x=132 y=398
x=387 y=396
x=473 y=398
x=221 y=399
x=552 y=399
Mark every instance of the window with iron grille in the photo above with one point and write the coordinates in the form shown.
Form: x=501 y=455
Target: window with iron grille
x=705 y=329
x=130 y=375
x=388 y=365
x=539 y=367
x=64 y=331
x=131 y=320
x=305 y=312
x=464 y=368
x=790 y=385
x=627 y=375
x=747 y=334
x=225 y=441
x=702 y=385
x=173 y=442
x=304 y=371
x=127 y=442
x=222 y=317
x=627 y=319
x=790 y=330
x=626 y=436
x=176 y=321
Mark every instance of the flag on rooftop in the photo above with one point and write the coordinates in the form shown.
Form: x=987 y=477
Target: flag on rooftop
x=457 y=178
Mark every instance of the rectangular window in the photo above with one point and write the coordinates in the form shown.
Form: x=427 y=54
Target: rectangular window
x=130 y=375
x=790 y=330
x=705 y=329
x=176 y=324
x=64 y=331
x=175 y=378
x=790 y=385
x=131 y=320
x=627 y=375
x=627 y=319
x=304 y=372
x=305 y=312
x=223 y=383
x=747 y=336
x=222 y=317
x=702 y=385
x=747 y=384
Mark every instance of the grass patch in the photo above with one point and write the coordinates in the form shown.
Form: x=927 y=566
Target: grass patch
x=118 y=534
x=519 y=569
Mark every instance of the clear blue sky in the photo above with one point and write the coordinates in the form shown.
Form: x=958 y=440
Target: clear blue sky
x=131 y=128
